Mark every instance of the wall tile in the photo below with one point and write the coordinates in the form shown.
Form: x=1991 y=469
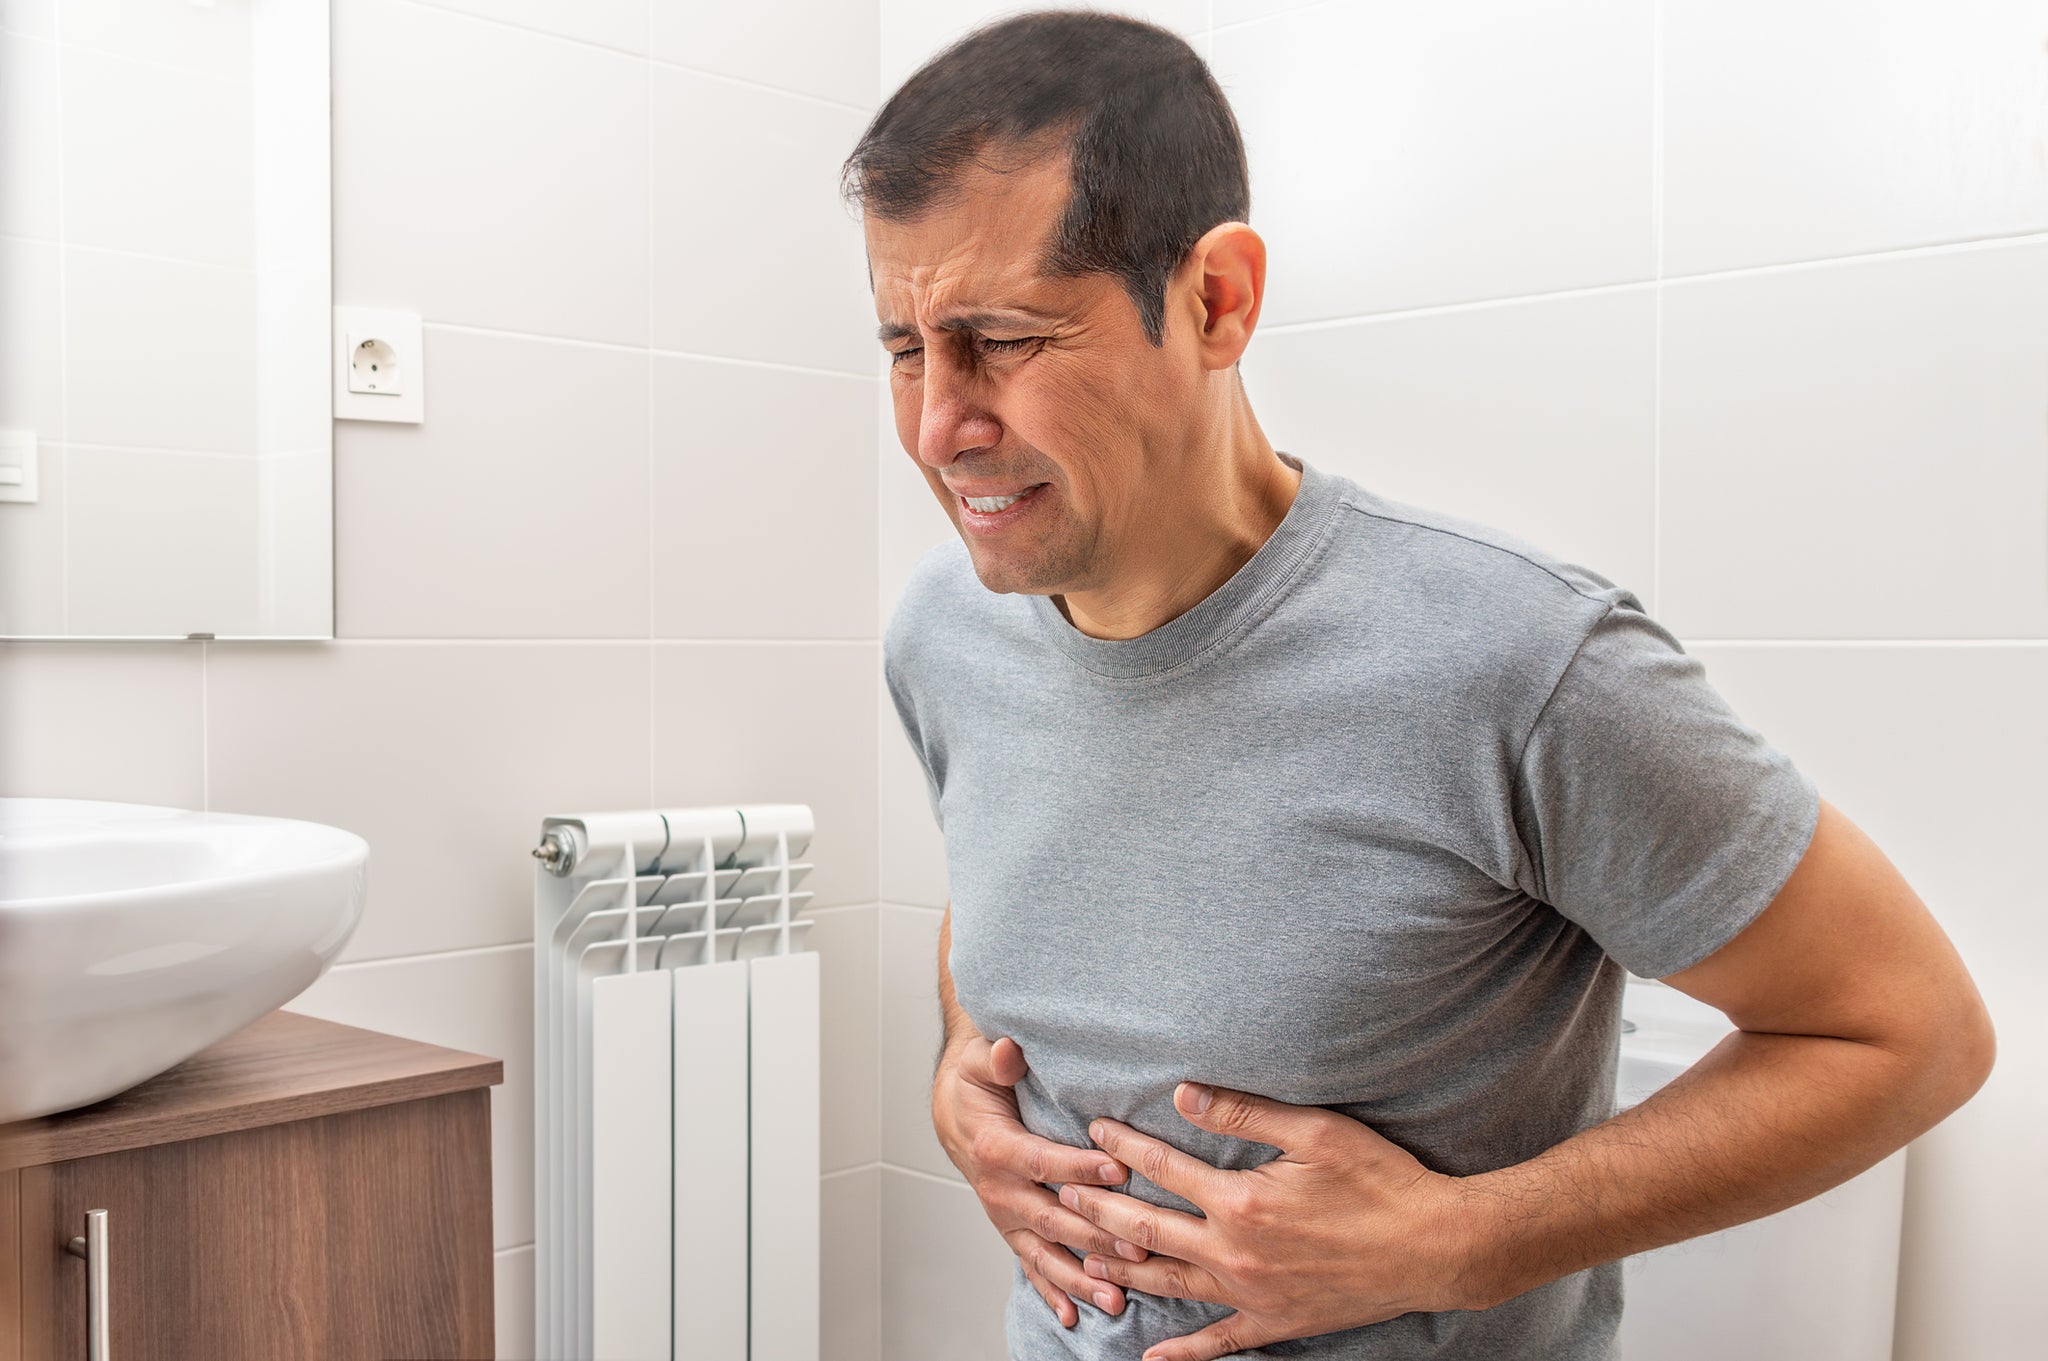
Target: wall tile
x=445 y=757
x=127 y=319
x=909 y=520
x=517 y=509
x=836 y=60
x=115 y=721
x=775 y=723
x=913 y=851
x=1387 y=171
x=913 y=30
x=1794 y=132
x=850 y=1285
x=32 y=553
x=850 y=1081
x=754 y=258
x=29 y=136
x=38 y=18
x=1244 y=11
x=1843 y=447
x=765 y=517
x=947 y=1276
x=158 y=160
x=31 y=369
x=608 y=23
x=160 y=542
x=213 y=39
x=487 y=175
x=1536 y=417
x=910 y=1038
x=481 y=1002
x=513 y=1296
x=1953 y=795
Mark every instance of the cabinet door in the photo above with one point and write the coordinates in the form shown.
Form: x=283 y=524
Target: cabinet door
x=360 y=1235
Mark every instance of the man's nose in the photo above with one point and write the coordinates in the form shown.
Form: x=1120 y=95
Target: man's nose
x=953 y=421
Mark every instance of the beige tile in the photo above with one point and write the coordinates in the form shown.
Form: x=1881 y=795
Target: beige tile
x=516 y=510
x=764 y=524
x=479 y=1001
x=489 y=175
x=31 y=352
x=445 y=757
x=1536 y=417
x=29 y=132
x=1411 y=155
x=205 y=38
x=913 y=30
x=910 y=1039
x=754 y=258
x=32 y=553
x=945 y=1273
x=909 y=518
x=115 y=721
x=608 y=23
x=835 y=60
x=913 y=851
x=775 y=723
x=1937 y=753
x=850 y=1079
x=1796 y=132
x=161 y=543
x=850 y=1272
x=1855 y=451
x=514 y=1300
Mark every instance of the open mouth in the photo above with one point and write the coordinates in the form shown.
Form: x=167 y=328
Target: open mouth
x=990 y=511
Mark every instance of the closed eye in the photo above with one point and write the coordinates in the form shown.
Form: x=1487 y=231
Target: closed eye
x=1005 y=346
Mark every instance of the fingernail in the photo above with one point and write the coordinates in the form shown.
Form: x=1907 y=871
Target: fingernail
x=1197 y=1097
x=1095 y=1268
x=1069 y=1197
x=1129 y=1250
x=1108 y=1172
x=1104 y=1301
x=1095 y=1131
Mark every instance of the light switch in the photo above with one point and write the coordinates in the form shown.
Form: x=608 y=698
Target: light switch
x=380 y=366
x=18 y=465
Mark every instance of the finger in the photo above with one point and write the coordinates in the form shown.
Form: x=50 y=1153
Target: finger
x=1040 y=1211
x=1061 y=1271
x=1047 y=1161
x=1055 y=1299
x=1227 y=1336
x=1162 y=1164
x=1154 y=1228
x=1156 y=1276
x=1006 y=1061
x=1246 y=1115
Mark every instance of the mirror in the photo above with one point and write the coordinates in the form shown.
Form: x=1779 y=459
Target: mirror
x=165 y=402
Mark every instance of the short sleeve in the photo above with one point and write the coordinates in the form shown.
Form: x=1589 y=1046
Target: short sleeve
x=1648 y=812
x=906 y=714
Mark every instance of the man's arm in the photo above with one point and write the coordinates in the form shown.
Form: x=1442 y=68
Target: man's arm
x=1858 y=1028
x=976 y=1118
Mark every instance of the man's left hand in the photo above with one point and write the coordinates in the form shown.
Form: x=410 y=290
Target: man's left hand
x=1344 y=1228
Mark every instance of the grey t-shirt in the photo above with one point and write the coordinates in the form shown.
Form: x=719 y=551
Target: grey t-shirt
x=1374 y=827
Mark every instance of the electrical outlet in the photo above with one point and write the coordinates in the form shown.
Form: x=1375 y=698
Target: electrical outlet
x=380 y=366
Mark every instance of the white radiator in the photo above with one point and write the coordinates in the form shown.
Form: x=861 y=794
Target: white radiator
x=675 y=1087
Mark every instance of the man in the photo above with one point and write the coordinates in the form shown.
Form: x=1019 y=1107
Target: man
x=1299 y=839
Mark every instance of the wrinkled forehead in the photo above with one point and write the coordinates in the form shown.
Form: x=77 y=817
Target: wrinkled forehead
x=981 y=246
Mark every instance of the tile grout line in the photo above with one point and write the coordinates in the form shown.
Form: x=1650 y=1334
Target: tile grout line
x=647 y=57
x=656 y=351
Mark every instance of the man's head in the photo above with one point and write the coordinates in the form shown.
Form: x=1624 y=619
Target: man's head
x=1054 y=212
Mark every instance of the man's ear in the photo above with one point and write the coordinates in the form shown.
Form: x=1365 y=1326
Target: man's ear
x=1225 y=274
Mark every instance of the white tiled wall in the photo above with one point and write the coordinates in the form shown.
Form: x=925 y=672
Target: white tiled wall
x=629 y=557
x=1581 y=272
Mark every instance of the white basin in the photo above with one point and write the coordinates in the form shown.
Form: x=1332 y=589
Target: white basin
x=133 y=936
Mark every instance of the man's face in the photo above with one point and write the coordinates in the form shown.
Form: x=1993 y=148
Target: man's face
x=1007 y=384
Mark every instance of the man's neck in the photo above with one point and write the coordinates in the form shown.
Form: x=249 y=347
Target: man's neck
x=1215 y=532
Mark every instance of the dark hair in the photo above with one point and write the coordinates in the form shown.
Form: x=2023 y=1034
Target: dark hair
x=1155 y=153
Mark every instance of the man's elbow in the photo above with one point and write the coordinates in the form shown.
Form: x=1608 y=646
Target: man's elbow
x=1960 y=1058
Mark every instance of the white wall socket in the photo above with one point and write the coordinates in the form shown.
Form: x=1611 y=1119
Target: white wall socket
x=380 y=371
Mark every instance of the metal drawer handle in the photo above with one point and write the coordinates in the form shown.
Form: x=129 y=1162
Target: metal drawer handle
x=93 y=1248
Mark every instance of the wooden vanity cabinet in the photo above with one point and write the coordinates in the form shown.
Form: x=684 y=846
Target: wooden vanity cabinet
x=300 y=1190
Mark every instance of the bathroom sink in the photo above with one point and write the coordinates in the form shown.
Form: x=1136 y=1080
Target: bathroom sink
x=133 y=936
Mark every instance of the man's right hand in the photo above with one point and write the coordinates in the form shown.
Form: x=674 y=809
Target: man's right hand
x=975 y=1113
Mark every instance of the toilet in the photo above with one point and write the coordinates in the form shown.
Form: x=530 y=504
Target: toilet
x=1816 y=1282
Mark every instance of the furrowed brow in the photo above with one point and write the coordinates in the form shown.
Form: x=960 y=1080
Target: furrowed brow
x=1005 y=319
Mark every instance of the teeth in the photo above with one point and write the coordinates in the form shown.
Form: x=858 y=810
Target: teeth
x=988 y=505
